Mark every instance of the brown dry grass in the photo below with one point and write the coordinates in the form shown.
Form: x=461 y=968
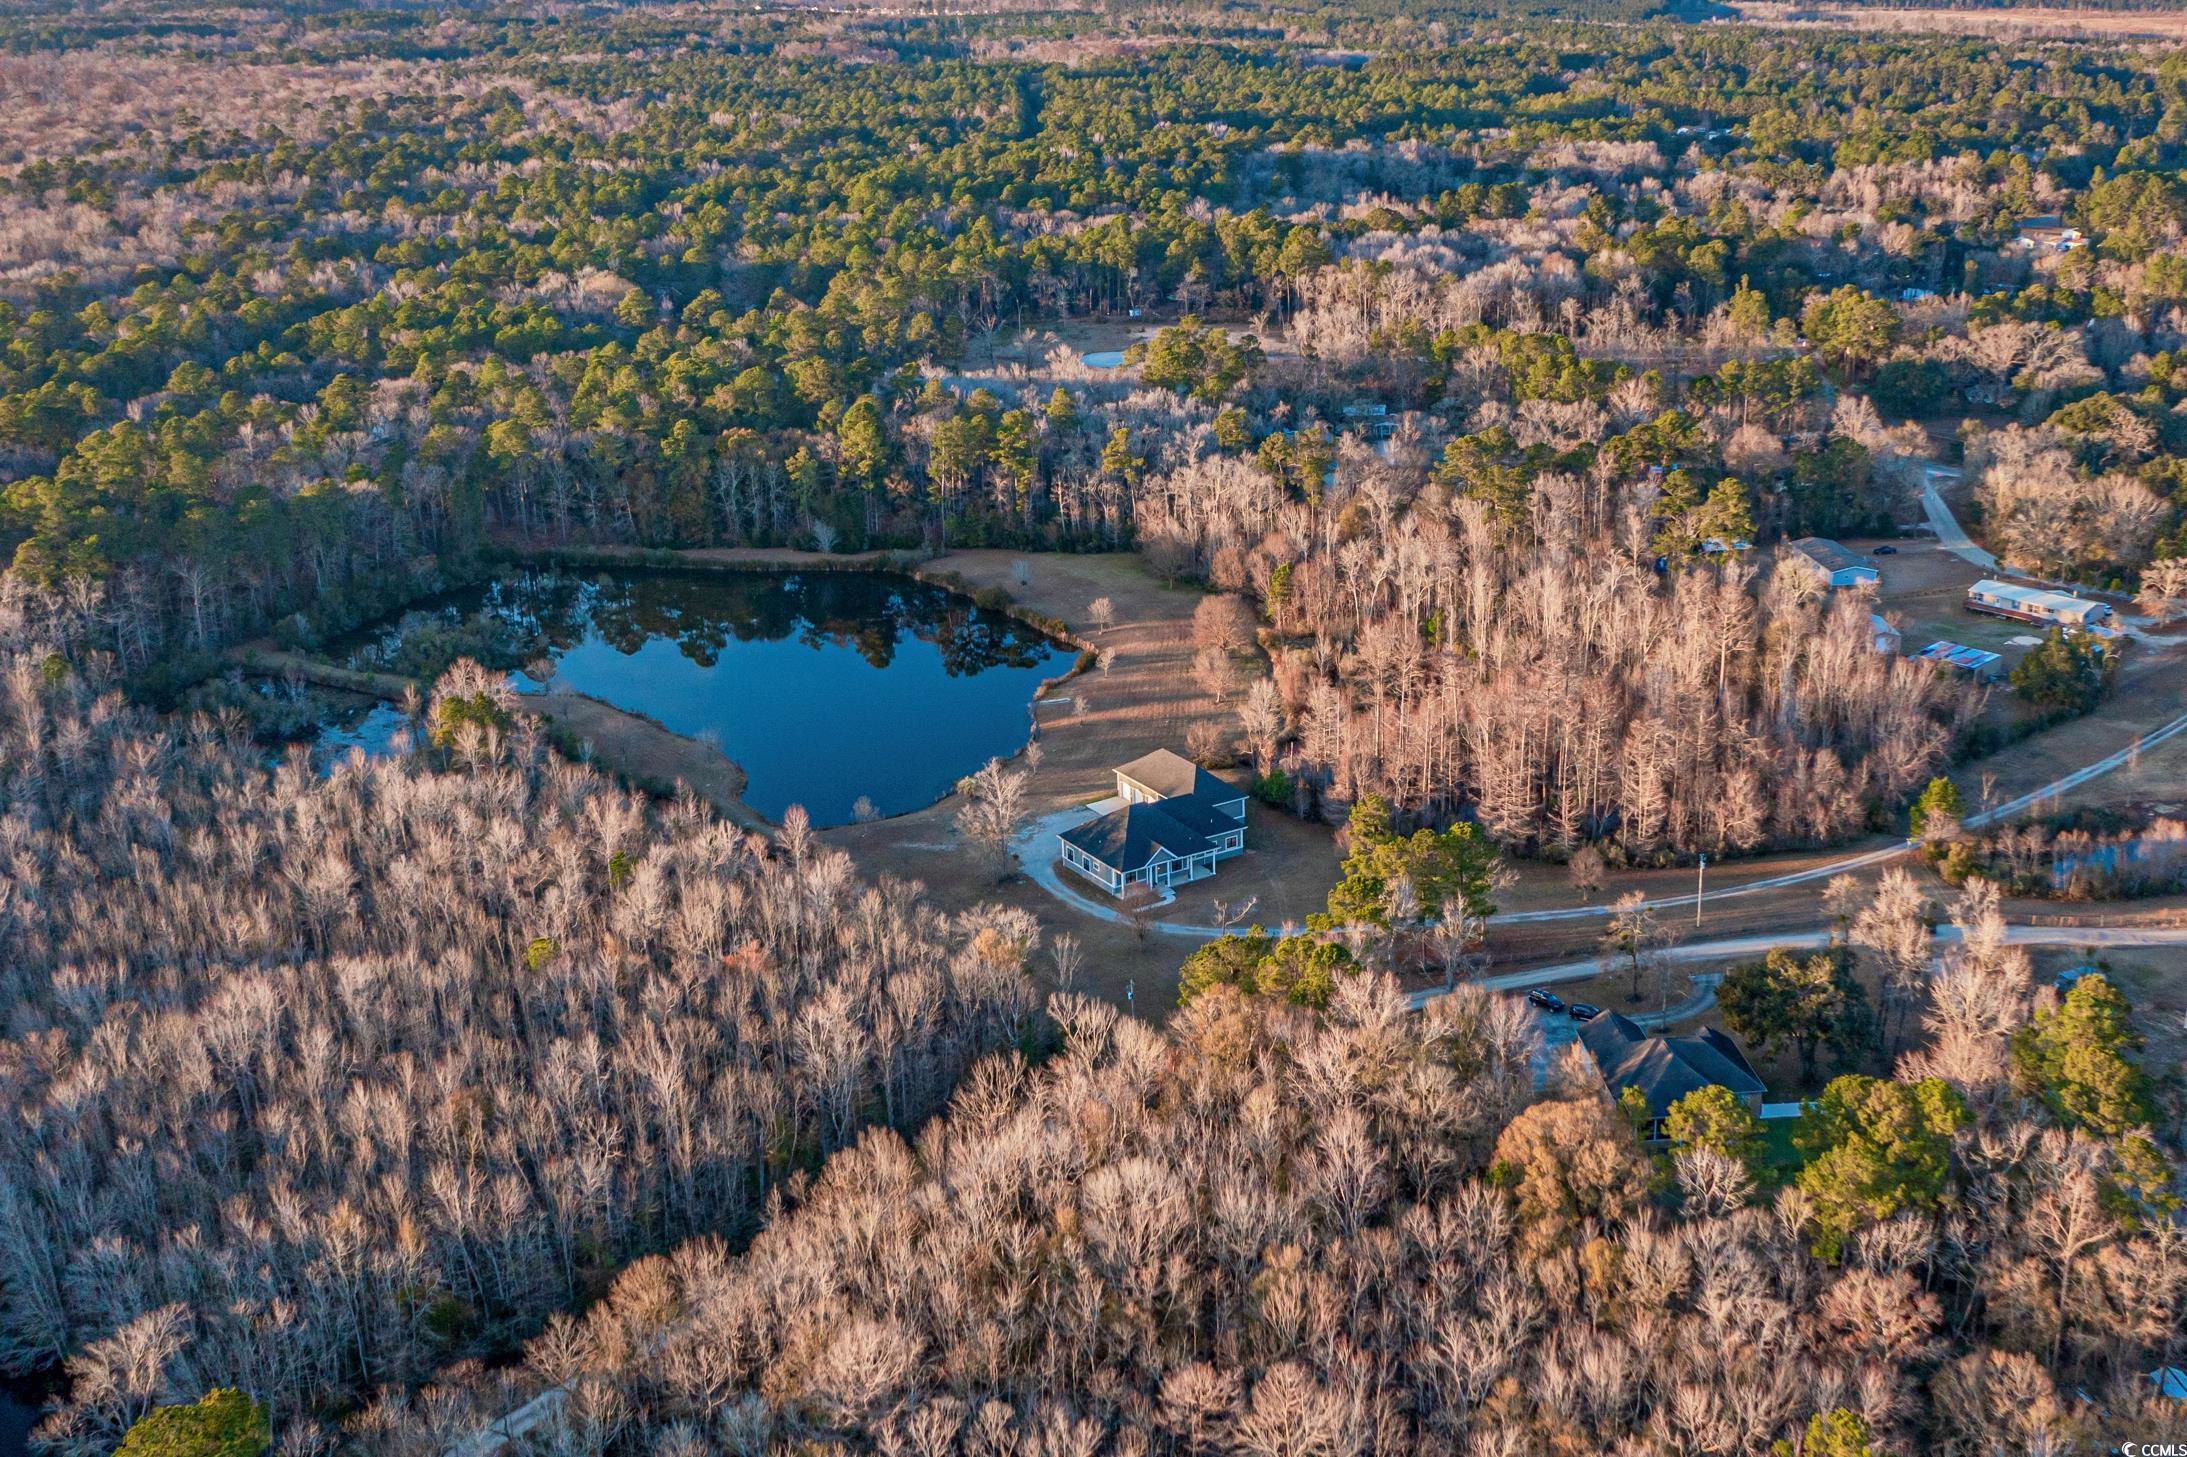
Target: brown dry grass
x=2031 y=22
x=647 y=754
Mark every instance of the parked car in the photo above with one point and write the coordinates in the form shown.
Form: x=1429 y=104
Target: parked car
x=1583 y=1011
x=2071 y=977
x=1547 y=1000
x=1886 y=550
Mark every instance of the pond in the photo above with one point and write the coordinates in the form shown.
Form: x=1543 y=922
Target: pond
x=824 y=687
x=21 y=1400
x=375 y=728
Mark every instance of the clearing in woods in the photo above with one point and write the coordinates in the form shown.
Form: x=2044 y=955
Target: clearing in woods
x=1146 y=698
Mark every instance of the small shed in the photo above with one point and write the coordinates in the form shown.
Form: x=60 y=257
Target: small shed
x=1978 y=663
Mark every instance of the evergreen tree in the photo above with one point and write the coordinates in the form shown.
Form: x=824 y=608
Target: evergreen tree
x=1875 y=1148
x=221 y=1423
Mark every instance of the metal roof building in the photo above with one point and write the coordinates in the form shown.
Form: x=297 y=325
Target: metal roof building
x=2036 y=604
x=1837 y=566
x=1981 y=662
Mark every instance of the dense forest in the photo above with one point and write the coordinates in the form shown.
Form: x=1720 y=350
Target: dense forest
x=1265 y=1235
x=289 y=322
x=324 y=1085
x=322 y=1079
x=297 y=336
x=1471 y=358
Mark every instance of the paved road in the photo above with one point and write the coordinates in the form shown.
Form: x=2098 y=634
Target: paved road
x=1945 y=524
x=1734 y=946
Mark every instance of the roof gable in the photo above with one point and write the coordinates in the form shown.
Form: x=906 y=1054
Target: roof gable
x=1173 y=776
x=1127 y=839
x=1665 y=1069
x=1827 y=555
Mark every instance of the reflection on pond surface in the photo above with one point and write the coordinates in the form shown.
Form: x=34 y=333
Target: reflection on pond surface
x=377 y=729
x=824 y=687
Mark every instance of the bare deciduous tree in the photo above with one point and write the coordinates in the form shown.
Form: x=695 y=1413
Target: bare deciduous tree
x=994 y=806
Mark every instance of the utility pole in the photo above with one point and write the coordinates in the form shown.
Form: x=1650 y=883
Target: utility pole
x=1700 y=880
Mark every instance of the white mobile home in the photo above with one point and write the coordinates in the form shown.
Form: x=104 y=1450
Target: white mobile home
x=2034 y=604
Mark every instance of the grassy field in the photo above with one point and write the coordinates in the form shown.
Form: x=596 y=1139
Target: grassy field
x=1925 y=587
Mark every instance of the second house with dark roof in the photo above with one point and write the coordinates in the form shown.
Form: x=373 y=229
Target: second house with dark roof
x=1666 y=1069
x=1171 y=822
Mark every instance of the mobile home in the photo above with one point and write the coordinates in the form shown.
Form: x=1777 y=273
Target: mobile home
x=2034 y=604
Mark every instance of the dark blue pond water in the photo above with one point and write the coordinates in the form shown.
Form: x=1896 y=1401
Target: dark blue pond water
x=20 y=1401
x=824 y=686
x=375 y=729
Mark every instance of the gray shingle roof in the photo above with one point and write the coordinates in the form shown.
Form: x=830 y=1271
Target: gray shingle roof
x=1173 y=776
x=1665 y=1069
x=1826 y=554
x=1125 y=839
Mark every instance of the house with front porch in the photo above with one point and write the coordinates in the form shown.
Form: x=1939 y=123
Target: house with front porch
x=1170 y=822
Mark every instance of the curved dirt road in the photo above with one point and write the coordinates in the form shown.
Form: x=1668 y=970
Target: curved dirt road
x=1949 y=534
